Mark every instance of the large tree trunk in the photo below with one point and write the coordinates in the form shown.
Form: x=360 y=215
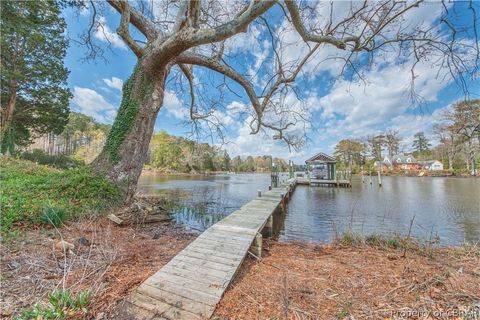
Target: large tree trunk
x=121 y=160
x=450 y=162
x=10 y=107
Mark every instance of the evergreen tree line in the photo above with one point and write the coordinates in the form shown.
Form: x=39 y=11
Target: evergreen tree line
x=82 y=139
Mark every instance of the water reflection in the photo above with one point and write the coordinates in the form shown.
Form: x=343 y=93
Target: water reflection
x=449 y=207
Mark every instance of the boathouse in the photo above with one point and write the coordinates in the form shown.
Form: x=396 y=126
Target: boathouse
x=322 y=166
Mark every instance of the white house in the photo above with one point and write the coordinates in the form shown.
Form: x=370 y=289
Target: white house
x=432 y=165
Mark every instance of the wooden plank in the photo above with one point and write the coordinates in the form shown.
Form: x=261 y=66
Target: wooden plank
x=220 y=249
x=222 y=240
x=170 y=301
x=239 y=228
x=220 y=235
x=201 y=272
x=202 y=263
x=230 y=237
x=207 y=279
x=183 y=292
x=146 y=302
x=212 y=258
x=246 y=218
x=218 y=241
x=175 y=313
x=217 y=253
x=162 y=276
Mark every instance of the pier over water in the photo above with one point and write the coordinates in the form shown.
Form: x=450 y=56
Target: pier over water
x=193 y=282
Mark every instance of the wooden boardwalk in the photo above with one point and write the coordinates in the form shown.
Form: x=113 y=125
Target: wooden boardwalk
x=193 y=282
x=320 y=182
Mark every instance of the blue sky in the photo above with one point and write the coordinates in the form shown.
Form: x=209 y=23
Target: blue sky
x=338 y=106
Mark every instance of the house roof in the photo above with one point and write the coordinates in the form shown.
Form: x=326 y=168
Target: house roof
x=428 y=162
x=401 y=158
x=321 y=157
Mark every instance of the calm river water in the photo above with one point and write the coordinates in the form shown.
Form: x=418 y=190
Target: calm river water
x=445 y=207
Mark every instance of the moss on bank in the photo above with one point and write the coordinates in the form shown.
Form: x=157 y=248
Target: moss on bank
x=36 y=194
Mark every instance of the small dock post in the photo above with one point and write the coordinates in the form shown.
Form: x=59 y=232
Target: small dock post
x=259 y=193
x=371 y=182
x=379 y=179
x=268 y=228
x=256 y=247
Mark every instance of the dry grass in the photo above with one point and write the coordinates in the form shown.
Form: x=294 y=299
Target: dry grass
x=297 y=281
x=109 y=262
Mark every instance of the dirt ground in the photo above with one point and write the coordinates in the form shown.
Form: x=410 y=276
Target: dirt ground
x=291 y=281
x=107 y=259
x=296 y=281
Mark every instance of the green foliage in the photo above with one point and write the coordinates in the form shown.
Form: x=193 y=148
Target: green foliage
x=60 y=305
x=54 y=216
x=59 y=161
x=176 y=154
x=350 y=154
x=420 y=142
x=376 y=240
x=33 y=77
x=167 y=152
x=28 y=190
x=83 y=137
x=135 y=91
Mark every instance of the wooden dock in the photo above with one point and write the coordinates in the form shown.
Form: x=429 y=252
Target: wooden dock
x=194 y=281
x=320 y=182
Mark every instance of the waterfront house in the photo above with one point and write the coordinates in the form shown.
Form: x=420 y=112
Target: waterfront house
x=431 y=165
x=384 y=165
x=405 y=162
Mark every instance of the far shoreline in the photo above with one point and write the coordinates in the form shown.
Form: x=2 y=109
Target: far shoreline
x=410 y=174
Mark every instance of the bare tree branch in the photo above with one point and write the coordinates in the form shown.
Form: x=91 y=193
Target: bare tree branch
x=125 y=33
x=307 y=36
x=137 y=19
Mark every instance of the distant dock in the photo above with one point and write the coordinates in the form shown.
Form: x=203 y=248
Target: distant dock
x=327 y=183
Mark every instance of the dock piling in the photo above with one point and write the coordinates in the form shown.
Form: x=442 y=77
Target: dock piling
x=268 y=229
x=256 y=247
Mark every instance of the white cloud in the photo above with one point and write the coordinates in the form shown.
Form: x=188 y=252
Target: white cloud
x=174 y=105
x=362 y=108
x=245 y=143
x=115 y=83
x=105 y=34
x=91 y=103
x=84 y=10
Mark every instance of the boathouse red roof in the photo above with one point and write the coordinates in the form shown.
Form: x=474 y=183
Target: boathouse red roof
x=321 y=157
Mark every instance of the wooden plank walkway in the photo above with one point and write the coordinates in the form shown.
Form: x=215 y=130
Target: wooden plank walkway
x=320 y=182
x=193 y=282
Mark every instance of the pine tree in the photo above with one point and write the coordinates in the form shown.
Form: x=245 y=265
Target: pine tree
x=420 y=142
x=34 y=92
